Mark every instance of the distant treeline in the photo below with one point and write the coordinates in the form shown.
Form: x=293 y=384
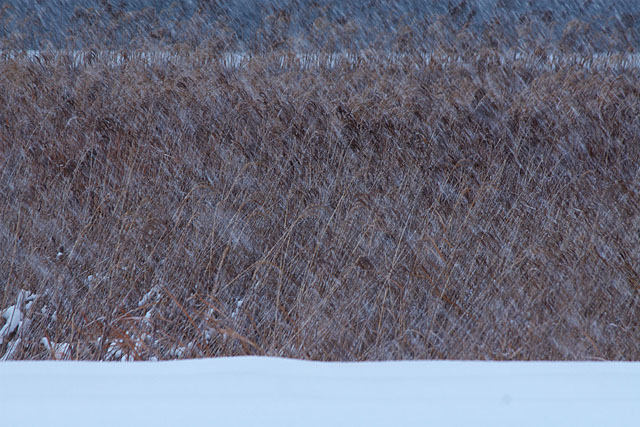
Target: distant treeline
x=253 y=25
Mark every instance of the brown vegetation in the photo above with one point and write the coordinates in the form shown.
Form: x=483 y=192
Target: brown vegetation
x=378 y=210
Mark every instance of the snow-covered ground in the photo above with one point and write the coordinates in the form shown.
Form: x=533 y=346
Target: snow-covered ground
x=257 y=391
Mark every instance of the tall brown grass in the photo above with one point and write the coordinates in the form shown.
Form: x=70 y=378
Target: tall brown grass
x=487 y=208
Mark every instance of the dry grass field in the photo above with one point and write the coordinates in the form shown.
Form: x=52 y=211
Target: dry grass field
x=486 y=208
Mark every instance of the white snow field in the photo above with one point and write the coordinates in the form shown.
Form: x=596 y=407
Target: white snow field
x=261 y=391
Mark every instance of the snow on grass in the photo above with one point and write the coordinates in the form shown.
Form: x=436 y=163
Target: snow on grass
x=13 y=315
x=58 y=351
x=255 y=391
x=79 y=58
